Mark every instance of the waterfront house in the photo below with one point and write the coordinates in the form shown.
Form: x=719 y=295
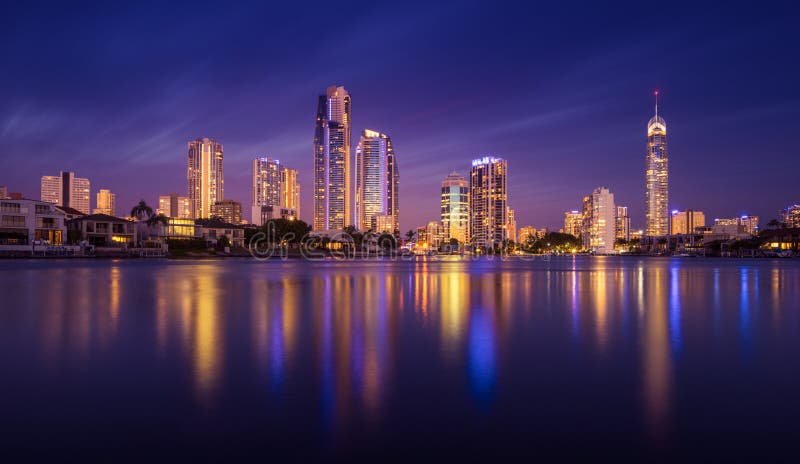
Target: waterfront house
x=23 y=222
x=103 y=230
x=215 y=228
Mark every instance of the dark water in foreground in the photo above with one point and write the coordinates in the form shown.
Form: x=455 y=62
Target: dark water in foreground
x=585 y=357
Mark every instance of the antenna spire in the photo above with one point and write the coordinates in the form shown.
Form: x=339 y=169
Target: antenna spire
x=656 y=93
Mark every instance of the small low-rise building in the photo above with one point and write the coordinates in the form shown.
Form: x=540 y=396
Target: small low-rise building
x=213 y=229
x=103 y=230
x=22 y=222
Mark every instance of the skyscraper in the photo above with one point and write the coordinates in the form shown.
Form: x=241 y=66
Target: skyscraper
x=332 y=208
x=602 y=226
x=623 y=223
x=205 y=176
x=657 y=177
x=3 y=192
x=685 y=222
x=276 y=192
x=67 y=190
x=174 y=206
x=572 y=223
x=455 y=207
x=106 y=203
x=290 y=191
x=228 y=210
x=377 y=180
x=488 y=201
x=511 y=225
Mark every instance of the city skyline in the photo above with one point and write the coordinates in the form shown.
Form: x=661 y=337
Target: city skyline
x=559 y=118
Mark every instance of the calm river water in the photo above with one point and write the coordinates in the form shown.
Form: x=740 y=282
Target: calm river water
x=584 y=357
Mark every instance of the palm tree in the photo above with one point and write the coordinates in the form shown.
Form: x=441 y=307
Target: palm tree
x=156 y=219
x=410 y=235
x=142 y=211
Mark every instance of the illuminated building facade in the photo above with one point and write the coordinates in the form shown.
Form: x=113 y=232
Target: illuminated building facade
x=488 y=201
x=431 y=236
x=511 y=225
x=527 y=234
x=175 y=206
x=3 y=192
x=205 y=176
x=290 y=191
x=228 y=210
x=276 y=192
x=332 y=208
x=657 y=177
x=749 y=223
x=377 y=181
x=106 y=203
x=599 y=229
x=67 y=190
x=455 y=207
x=623 y=223
x=685 y=222
x=791 y=216
x=572 y=223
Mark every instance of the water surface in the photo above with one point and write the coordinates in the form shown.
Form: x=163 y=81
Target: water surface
x=585 y=357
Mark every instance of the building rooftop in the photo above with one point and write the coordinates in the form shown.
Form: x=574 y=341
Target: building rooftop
x=100 y=218
x=216 y=223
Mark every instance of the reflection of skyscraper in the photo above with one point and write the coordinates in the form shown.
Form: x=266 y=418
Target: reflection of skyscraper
x=488 y=201
x=657 y=174
x=455 y=207
x=205 y=176
x=332 y=160
x=377 y=181
x=67 y=190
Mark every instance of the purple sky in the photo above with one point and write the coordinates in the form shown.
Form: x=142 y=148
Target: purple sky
x=564 y=93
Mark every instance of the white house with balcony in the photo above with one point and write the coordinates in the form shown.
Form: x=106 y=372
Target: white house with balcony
x=25 y=222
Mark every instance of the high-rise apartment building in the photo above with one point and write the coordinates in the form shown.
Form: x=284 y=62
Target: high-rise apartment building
x=657 y=177
x=599 y=229
x=511 y=225
x=455 y=207
x=67 y=190
x=685 y=222
x=205 y=176
x=791 y=216
x=175 y=206
x=572 y=222
x=3 y=192
x=488 y=201
x=106 y=203
x=623 y=223
x=377 y=181
x=749 y=223
x=228 y=210
x=276 y=193
x=332 y=196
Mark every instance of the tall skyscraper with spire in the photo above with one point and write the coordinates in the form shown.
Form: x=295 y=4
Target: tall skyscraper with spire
x=332 y=201
x=657 y=176
x=377 y=182
x=205 y=176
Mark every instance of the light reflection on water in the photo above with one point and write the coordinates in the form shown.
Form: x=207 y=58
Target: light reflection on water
x=353 y=349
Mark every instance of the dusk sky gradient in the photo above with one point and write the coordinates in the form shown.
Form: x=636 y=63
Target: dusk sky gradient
x=563 y=91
